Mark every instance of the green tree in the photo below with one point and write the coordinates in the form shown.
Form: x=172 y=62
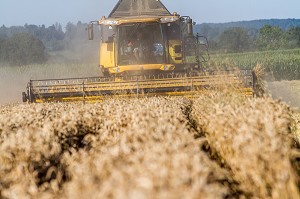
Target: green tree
x=24 y=49
x=293 y=37
x=213 y=45
x=234 y=40
x=3 y=30
x=1 y=49
x=271 y=38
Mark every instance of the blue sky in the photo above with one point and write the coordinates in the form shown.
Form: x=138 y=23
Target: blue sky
x=19 y=12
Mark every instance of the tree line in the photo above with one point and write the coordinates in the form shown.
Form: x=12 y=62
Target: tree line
x=269 y=37
x=22 y=45
x=213 y=30
x=22 y=49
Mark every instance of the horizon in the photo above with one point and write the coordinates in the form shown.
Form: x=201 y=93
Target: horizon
x=48 y=13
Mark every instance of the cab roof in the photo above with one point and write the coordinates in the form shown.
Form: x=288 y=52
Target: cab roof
x=134 y=8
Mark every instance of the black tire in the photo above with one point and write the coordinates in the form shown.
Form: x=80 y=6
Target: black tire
x=24 y=97
x=105 y=72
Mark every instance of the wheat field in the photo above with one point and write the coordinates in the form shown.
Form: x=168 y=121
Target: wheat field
x=220 y=145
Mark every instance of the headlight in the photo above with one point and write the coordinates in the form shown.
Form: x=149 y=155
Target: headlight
x=168 y=19
x=167 y=67
x=109 y=22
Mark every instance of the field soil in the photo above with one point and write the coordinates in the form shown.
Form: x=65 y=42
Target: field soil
x=220 y=145
x=287 y=91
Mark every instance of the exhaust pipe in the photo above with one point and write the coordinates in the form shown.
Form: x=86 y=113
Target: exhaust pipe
x=90 y=30
x=189 y=23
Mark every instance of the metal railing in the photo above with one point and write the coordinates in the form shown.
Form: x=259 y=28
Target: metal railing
x=58 y=89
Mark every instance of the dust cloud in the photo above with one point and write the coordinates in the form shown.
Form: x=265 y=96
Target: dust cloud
x=11 y=88
x=287 y=91
x=80 y=59
x=13 y=80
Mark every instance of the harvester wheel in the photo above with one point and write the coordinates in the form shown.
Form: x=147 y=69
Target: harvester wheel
x=105 y=72
x=24 y=97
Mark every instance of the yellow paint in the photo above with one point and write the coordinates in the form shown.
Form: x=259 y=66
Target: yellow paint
x=107 y=55
x=94 y=99
x=175 y=58
x=141 y=67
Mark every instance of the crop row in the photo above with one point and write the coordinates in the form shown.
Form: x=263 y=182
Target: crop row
x=280 y=65
x=253 y=136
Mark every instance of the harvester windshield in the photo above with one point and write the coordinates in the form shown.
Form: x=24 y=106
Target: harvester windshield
x=140 y=44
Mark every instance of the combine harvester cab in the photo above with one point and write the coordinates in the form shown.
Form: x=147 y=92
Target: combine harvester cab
x=144 y=50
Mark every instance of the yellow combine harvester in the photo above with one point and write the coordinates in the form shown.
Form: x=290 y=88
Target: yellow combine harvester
x=144 y=50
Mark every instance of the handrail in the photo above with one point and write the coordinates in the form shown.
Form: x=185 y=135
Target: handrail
x=167 y=83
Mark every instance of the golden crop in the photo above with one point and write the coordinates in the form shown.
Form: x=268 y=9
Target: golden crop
x=214 y=146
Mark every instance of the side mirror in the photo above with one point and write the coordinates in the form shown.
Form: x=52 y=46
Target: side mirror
x=90 y=29
x=110 y=39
